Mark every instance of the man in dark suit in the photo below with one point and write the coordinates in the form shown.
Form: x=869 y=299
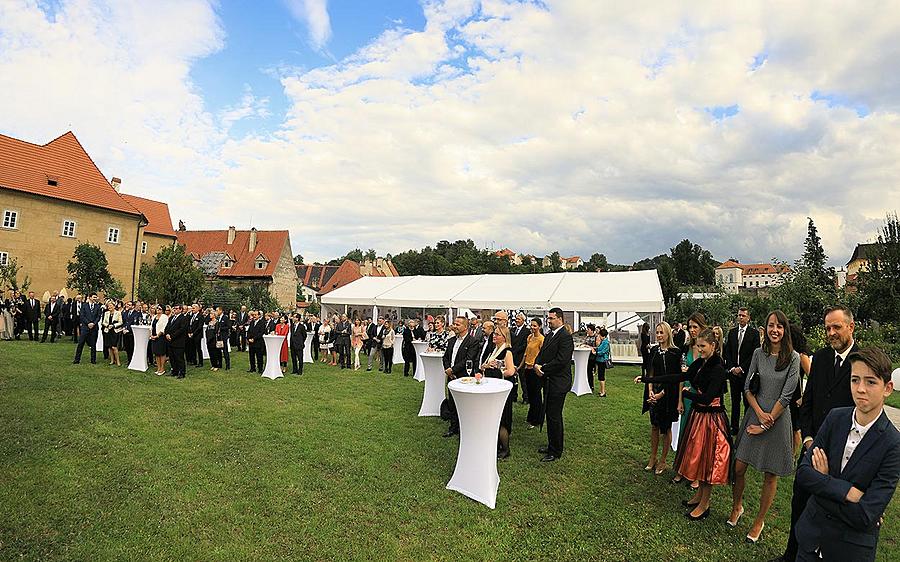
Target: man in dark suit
x=194 y=342
x=256 y=329
x=297 y=342
x=75 y=316
x=475 y=329
x=224 y=333
x=461 y=348
x=678 y=335
x=52 y=313
x=32 y=312
x=519 y=337
x=827 y=387
x=742 y=341
x=313 y=330
x=554 y=365
x=375 y=334
x=852 y=468
x=418 y=331
x=240 y=324
x=176 y=338
x=130 y=317
x=343 y=342
x=90 y=320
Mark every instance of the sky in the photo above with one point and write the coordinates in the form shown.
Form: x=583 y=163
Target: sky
x=579 y=126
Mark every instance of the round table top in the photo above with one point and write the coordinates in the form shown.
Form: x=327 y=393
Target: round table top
x=431 y=354
x=583 y=349
x=419 y=341
x=273 y=336
x=487 y=386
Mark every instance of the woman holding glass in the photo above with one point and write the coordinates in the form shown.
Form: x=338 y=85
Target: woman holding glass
x=533 y=382
x=499 y=365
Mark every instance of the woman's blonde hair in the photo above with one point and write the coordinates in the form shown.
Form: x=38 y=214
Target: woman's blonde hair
x=667 y=332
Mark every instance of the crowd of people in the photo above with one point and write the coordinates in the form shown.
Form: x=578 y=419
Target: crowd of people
x=748 y=397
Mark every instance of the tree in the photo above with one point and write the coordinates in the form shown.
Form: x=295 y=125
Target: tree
x=114 y=290
x=693 y=265
x=369 y=255
x=597 y=263
x=9 y=276
x=298 y=260
x=814 y=262
x=555 y=262
x=256 y=296
x=88 y=269
x=172 y=278
x=221 y=294
x=879 y=284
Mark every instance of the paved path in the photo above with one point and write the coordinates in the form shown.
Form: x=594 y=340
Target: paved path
x=893 y=415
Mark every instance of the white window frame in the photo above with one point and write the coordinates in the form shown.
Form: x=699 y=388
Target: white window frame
x=143 y=247
x=74 y=226
x=4 y=258
x=11 y=219
x=260 y=264
x=110 y=239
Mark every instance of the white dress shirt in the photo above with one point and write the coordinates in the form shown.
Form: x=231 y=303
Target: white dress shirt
x=857 y=432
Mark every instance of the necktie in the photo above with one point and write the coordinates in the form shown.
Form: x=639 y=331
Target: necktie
x=740 y=337
x=837 y=363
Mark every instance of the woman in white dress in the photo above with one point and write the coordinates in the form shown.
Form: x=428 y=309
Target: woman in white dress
x=325 y=340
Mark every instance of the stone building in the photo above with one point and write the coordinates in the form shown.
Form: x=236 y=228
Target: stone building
x=159 y=232
x=734 y=276
x=53 y=197
x=243 y=257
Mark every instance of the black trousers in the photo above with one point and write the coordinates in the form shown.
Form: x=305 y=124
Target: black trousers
x=454 y=415
x=215 y=355
x=534 y=386
x=89 y=337
x=591 y=367
x=297 y=360
x=737 y=396
x=409 y=358
x=53 y=326
x=387 y=359
x=128 y=344
x=257 y=363
x=242 y=339
x=315 y=349
x=555 y=403
x=198 y=348
x=176 y=358
x=227 y=356
x=798 y=504
x=344 y=357
x=32 y=327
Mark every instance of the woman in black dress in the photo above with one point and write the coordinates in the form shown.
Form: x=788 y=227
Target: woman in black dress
x=499 y=365
x=661 y=400
x=158 y=339
x=213 y=342
x=645 y=348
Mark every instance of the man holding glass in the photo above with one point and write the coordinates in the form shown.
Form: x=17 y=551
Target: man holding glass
x=553 y=365
x=459 y=357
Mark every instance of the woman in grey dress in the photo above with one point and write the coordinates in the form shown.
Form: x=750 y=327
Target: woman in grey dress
x=764 y=441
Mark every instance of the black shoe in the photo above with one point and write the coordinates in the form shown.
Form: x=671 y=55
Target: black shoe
x=703 y=515
x=686 y=503
x=76 y=362
x=93 y=362
x=542 y=450
x=451 y=433
x=549 y=458
x=778 y=559
x=503 y=454
x=179 y=377
x=250 y=371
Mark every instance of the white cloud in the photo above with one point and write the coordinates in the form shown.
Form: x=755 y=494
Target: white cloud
x=580 y=126
x=314 y=13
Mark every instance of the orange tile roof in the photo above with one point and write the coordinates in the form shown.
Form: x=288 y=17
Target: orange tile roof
x=504 y=253
x=326 y=278
x=157 y=213
x=30 y=168
x=755 y=268
x=268 y=243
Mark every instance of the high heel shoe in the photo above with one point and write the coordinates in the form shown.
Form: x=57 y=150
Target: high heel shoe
x=735 y=522
x=703 y=515
x=686 y=503
x=751 y=540
x=650 y=466
x=660 y=468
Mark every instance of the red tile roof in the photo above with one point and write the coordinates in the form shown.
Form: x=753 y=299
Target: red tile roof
x=157 y=213
x=326 y=278
x=504 y=253
x=31 y=168
x=269 y=243
x=573 y=259
x=755 y=268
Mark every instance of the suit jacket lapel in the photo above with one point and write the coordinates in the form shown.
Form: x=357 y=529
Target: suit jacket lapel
x=843 y=373
x=872 y=436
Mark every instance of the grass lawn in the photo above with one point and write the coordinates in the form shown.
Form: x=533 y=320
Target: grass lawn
x=102 y=463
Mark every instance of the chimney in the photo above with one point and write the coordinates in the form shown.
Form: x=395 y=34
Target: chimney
x=231 y=235
x=116 y=184
x=252 y=239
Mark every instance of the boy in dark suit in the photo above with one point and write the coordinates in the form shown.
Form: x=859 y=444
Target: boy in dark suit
x=852 y=468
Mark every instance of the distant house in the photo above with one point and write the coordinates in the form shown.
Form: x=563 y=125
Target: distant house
x=565 y=263
x=242 y=257
x=514 y=258
x=317 y=279
x=859 y=261
x=159 y=232
x=734 y=276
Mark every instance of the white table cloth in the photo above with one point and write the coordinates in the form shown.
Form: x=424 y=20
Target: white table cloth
x=99 y=345
x=434 y=384
x=420 y=347
x=307 y=349
x=139 y=355
x=205 y=349
x=480 y=407
x=580 y=385
x=273 y=356
x=398 y=349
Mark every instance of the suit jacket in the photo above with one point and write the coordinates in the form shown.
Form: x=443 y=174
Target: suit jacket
x=555 y=359
x=343 y=332
x=297 y=336
x=735 y=357
x=177 y=328
x=53 y=309
x=419 y=333
x=825 y=390
x=679 y=339
x=32 y=312
x=844 y=530
x=519 y=343
x=315 y=332
x=255 y=331
x=484 y=351
x=242 y=319
x=90 y=314
x=468 y=351
x=270 y=325
x=224 y=327
x=195 y=325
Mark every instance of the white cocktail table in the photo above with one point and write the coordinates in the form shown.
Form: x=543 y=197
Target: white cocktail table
x=139 y=355
x=273 y=356
x=480 y=407
x=99 y=345
x=420 y=347
x=205 y=344
x=307 y=349
x=434 y=384
x=398 y=349
x=580 y=385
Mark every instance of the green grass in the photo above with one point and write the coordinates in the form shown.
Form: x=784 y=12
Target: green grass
x=102 y=463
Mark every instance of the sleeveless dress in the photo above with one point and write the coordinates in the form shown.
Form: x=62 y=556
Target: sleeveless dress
x=506 y=417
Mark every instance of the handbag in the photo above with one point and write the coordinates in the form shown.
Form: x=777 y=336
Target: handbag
x=609 y=364
x=220 y=344
x=753 y=383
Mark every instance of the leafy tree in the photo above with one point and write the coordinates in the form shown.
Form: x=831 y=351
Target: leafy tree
x=172 y=277
x=221 y=294
x=88 y=269
x=597 y=263
x=298 y=260
x=555 y=262
x=256 y=296
x=814 y=263
x=369 y=255
x=693 y=265
x=314 y=308
x=353 y=255
x=114 y=290
x=879 y=284
x=9 y=276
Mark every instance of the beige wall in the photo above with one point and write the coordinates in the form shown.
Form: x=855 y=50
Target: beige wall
x=43 y=252
x=155 y=242
x=284 y=281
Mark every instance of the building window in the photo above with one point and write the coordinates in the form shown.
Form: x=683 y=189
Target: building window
x=260 y=265
x=4 y=258
x=68 y=229
x=113 y=235
x=143 y=247
x=10 y=219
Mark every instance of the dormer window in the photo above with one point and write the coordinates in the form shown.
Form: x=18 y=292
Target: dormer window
x=227 y=264
x=260 y=265
x=52 y=181
x=261 y=262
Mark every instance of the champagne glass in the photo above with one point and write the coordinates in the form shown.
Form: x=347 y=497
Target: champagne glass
x=469 y=367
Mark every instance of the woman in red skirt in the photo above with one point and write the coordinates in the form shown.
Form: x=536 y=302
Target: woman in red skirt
x=704 y=447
